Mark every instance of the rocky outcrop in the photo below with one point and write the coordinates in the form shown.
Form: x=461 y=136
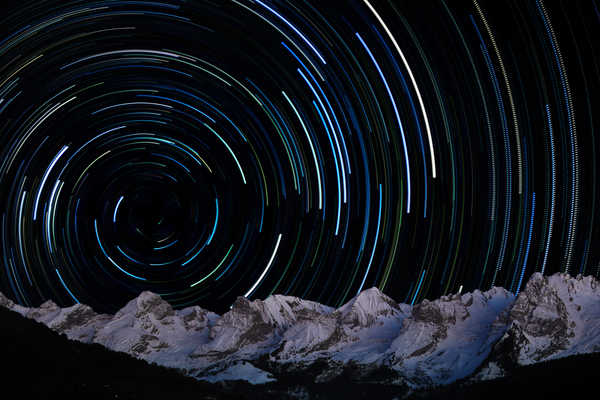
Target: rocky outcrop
x=447 y=339
x=553 y=317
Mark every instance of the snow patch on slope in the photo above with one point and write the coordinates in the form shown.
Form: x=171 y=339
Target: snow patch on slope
x=240 y=370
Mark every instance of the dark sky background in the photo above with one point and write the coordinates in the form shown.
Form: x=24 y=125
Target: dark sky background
x=206 y=150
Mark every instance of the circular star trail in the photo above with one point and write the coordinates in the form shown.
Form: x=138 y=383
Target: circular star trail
x=206 y=150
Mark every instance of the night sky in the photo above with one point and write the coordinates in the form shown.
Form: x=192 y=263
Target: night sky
x=210 y=149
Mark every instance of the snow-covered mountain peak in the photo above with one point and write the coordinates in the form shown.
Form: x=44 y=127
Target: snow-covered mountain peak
x=284 y=311
x=367 y=306
x=196 y=318
x=295 y=304
x=440 y=312
x=554 y=305
x=147 y=303
x=575 y=286
x=450 y=308
x=47 y=311
x=48 y=305
x=554 y=316
x=561 y=282
x=276 y=310
x=447 y=339
x=370 y=299
x=247 y=323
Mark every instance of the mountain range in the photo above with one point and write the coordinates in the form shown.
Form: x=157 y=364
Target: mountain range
x=469 y=337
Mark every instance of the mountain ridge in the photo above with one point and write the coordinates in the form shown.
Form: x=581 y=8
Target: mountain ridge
x=477 y=335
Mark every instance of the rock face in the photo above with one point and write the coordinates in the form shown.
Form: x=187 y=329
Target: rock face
x=431 y=343
x=257 y=327
x=447 y=339
x=554 y=316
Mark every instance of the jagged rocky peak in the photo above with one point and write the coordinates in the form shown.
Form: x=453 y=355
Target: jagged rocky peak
x=284 y=310
x=261 y=321
x=447 y=339
x=196 y=317
x=49 y=305
x=494 y=298
x=373 y=299
x=242 y=309
x=45 y=312
x=78 y=314
x=246 y=323
x=440 y=311
x=450 y=308
x=147 y=303
x=544 y=306
x=579 y=284
x=277 y=310
x=538 y=300
x=468 y=298
x=367 y=306
x=243 y=314
x=295 y=304
x=554 y=316
x=75 y=318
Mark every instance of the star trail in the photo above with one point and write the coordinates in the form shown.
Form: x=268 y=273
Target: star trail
x=205 y=150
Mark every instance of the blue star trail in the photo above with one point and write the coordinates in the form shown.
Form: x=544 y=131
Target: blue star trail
x=208 y=150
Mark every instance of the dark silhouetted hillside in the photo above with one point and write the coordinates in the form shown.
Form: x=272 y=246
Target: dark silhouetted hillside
x=38 y=363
